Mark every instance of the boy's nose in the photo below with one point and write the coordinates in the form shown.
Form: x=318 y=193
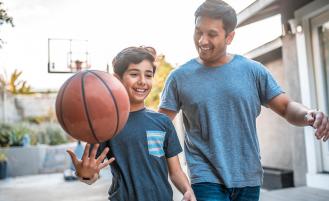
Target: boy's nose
x=141 y=80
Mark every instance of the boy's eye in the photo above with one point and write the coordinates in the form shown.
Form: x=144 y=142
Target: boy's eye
x=149 y=75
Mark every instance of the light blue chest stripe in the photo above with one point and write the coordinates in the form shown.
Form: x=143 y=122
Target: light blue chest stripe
x=157 y=153
x=155 y=141
x=155 y=138
x=150 y=132
x=154 y=145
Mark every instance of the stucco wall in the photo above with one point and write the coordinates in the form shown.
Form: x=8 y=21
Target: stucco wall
x=273 y=131
x=282 y=144
x=16 y=108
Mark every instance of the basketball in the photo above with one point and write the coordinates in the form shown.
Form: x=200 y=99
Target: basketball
x=92 y=106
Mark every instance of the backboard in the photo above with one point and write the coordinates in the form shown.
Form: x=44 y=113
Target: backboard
x=67 y=55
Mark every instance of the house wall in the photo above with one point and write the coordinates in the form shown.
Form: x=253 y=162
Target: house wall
x=16 y=108
x=282 y=144
x=292 y=82
x=273 y=131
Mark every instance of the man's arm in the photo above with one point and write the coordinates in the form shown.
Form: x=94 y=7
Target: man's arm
x=171 y=114
x=179 y=179
x=299 y=115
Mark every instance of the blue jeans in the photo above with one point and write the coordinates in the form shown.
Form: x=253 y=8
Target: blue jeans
x=217 y=192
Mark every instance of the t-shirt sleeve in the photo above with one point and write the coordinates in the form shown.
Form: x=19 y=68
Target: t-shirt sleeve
x=172 y=145
x=169 y=97
x=268 y=88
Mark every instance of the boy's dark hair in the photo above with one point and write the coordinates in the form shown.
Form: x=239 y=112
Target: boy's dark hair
x=218 y=9
x=132 y=55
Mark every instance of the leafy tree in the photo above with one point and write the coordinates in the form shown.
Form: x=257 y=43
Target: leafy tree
x=163 y=70
x=4 y=18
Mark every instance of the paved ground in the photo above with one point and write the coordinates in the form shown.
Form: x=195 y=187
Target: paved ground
x=295 y=194
x=52 y=187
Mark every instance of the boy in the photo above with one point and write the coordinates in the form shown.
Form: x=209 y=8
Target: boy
x=146 y=148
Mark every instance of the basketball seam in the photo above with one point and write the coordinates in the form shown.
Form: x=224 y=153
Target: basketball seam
x=114 y=100
x=86 y=107
x=61 y=103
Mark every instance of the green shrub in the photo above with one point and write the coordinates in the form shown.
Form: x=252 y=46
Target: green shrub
x=12 y=134
x=17 y=133
x=5 y=130
x=52 y=134
x=45 y=133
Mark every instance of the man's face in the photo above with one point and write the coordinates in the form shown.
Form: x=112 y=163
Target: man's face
x=210 y=40
x=138 y=82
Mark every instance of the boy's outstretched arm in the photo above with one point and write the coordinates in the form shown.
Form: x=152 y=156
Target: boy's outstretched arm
x=87 y=169
x=179 y=179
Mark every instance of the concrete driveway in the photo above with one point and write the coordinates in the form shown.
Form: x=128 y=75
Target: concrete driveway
x=53 y=187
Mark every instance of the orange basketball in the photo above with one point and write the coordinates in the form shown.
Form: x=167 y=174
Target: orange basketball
x=92 y=106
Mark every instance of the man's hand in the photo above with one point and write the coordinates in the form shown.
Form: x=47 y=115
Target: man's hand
x=189 y=196
x=319 y=121
x=90 y=165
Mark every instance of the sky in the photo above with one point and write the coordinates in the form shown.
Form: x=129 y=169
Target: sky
x=110 y=26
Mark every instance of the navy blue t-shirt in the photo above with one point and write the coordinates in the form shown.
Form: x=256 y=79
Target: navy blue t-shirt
x=140 y=171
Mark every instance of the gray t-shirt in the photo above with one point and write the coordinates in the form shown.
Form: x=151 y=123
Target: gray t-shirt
x=140 y=171
x=220 y=106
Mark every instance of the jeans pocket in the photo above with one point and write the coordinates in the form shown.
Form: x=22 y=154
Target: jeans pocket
x=155 y=141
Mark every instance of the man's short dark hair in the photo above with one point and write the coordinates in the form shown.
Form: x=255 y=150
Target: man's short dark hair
x=131 y=55
x=218 y=9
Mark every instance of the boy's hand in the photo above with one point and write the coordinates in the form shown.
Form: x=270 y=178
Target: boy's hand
x=189 y=196
x=90 y=165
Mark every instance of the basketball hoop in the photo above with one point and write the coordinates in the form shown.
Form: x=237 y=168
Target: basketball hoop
x=68 y=55
x=78 y=65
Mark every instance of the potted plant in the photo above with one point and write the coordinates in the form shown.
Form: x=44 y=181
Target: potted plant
x=3 y=166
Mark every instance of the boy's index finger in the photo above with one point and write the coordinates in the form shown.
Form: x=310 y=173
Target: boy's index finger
x=94 y=151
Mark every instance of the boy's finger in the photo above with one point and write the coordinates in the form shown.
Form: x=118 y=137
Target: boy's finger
x=94 y=151
x=86 y=152
x=73 y=157
x=106 y=163
x=101 y=158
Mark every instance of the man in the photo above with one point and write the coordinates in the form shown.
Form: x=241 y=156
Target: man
x=220 y=96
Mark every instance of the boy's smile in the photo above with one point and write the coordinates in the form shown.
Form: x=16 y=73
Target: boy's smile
x=138 y=82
